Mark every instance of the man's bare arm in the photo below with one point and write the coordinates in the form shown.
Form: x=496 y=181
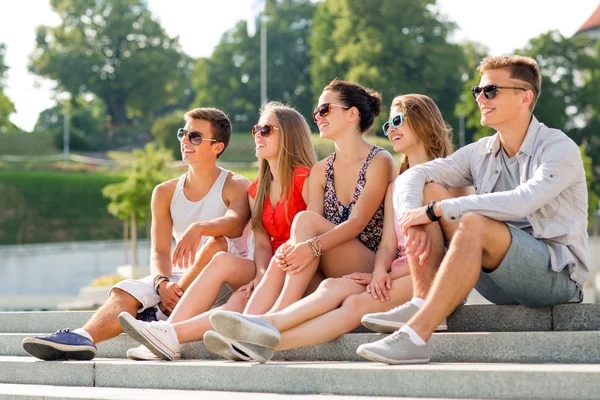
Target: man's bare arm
x=161 y=230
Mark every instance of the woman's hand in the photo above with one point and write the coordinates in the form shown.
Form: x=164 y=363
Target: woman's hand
x=297 y=257
x=249 y=287
x=362 y=278
x=380 y=284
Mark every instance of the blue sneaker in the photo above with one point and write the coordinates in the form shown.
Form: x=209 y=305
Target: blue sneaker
x=62 y=345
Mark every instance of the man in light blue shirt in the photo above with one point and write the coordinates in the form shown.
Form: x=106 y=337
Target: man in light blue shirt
x=521 y=239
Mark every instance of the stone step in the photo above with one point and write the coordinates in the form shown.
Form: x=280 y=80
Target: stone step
x=493 y=347
x=480 y=381
x=469 y=318
x=46 y=392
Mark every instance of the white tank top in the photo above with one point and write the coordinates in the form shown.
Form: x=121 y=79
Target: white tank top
x=185 y=212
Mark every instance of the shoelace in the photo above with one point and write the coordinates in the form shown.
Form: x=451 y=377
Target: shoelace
x=396 y=337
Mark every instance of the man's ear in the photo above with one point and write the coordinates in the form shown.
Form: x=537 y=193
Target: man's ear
x=527 y=99
x=218 y=147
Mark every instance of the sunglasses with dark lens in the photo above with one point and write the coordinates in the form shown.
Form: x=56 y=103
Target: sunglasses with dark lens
x=194 y=137
x=324 y=109
x=263 y=130
x=489 y=91
x=395 y=123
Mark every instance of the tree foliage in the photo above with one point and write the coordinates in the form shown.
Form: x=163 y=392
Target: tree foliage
x=115 y=50
x=6 y=106
x=230 y=78
x=393 y=46
x=164 y=130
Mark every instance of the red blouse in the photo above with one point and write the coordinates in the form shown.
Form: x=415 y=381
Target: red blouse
x=273 y=220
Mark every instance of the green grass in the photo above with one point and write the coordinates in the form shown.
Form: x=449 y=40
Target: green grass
x=53 y=206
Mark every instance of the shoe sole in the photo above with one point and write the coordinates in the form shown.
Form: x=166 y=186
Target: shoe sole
x=134 y=357
x=383 y=326
x=215 y=343
x=133 y=328
x=254 y=351
x=49 y=351
x=378 y=358
x=241 y=330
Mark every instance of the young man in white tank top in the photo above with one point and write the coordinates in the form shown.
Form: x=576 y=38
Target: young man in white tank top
x=202 y=210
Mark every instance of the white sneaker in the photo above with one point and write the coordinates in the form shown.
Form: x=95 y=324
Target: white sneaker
x=141 y=353
x=159 y=337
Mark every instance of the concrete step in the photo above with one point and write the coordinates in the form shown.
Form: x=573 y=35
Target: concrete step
x=480 y=381
x=46 y=392
x=494 y=347
x=469 y=318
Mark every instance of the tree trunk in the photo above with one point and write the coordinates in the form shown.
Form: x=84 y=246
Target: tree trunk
x=133 y=240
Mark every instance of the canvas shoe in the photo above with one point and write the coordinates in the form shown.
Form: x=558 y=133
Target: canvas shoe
x=159 y=337
x=391 y=321
x=245 y=328
x=141 y=353
x=396 y=348
x=62 y=345
x=218 y=344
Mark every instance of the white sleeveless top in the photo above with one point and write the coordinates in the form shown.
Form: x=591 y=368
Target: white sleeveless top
x=185 y=212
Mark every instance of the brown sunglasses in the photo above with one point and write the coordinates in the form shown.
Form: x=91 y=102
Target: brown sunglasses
x=324 y=109
x=263 y=130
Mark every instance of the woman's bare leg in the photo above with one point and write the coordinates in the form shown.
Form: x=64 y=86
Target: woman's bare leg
x=349 y=257
x=223 y=268
x=345 y=319
x=267 y=291
x=330 y=294
x=194 y=328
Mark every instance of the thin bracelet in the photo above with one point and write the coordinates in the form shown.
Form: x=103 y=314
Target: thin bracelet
x=320 y=249
x=312 y=247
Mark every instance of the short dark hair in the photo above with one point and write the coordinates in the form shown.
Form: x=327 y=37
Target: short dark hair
x=219 y=122
x=367 y=101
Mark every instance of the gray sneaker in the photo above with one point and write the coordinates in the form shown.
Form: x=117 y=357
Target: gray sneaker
x=391 y=321
x=396 y=348
x=236 y=351
x=245 y=328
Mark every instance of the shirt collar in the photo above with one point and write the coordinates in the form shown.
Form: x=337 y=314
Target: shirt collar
x=493 y=146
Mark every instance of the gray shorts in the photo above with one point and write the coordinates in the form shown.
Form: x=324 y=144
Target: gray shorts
x=525 y=276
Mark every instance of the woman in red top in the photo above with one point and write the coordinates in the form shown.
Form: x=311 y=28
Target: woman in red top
x=286 y=155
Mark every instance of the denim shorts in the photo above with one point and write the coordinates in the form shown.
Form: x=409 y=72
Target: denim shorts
x=525 y=276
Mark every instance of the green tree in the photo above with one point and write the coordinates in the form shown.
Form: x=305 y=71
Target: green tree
x=6 y=106
x=393 y=46
x=230 y=78
x=115 y=50
x=164 y=130
x=130 y=200
x=86 y=125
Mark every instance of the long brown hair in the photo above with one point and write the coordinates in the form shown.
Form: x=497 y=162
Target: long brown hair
x=295 y=150
x=425 y=119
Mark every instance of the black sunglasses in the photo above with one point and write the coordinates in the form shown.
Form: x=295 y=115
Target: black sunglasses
x=489 y=91
x=194 y=137
x=263 y=130
x=324 y=109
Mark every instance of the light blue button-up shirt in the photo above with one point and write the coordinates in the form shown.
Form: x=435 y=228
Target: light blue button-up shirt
x=552 y=193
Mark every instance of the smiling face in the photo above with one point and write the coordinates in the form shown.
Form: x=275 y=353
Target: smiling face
x=205 y=151
x=267 y=148
x=403 y=139
x=507 y=104
x=336 y=120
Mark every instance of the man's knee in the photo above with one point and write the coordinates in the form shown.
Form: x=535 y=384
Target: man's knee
x=122 y=297
x=472 y=223
x=434 y=191
x=216 y=244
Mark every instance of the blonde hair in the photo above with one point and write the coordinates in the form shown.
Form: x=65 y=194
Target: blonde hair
x=522 y=68
x=295 y=150
x=425 y=119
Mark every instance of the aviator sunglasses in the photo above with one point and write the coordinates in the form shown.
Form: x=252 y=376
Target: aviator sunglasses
x=489 y=91
x=324 y=109
x=395 y=123
x=194 y=137
x=263 y=130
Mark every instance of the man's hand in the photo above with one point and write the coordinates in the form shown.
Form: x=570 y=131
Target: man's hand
x=185 y=251
x=415 y=217
x=418 y=243
x=169 y=293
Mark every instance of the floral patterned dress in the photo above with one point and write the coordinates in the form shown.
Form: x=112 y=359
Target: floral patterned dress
x=336 y=212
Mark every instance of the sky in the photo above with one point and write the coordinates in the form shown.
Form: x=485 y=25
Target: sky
x=501 y=25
